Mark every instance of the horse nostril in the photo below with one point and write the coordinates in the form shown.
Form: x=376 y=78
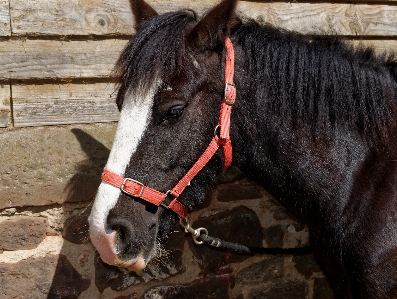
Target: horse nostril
x=131 y=241
x=124 y=235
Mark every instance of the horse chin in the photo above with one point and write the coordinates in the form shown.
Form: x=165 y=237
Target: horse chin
x=136 y=264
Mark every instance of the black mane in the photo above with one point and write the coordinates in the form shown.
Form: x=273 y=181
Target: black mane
x=320 y=82
x=155 y=50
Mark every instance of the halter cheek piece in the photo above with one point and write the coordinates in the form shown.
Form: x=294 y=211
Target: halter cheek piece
x=137 y=189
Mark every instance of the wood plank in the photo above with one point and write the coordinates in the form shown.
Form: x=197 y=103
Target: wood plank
x=46 y=59
x=5 y=28
x=38 y=105
x=73 y=17
x=327 y=18
x=106 y=17
x=5 y=106
x=50 y=104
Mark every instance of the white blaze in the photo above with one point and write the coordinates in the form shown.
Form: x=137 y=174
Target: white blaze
x=134 y=118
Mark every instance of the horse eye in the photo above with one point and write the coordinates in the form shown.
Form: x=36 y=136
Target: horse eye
x=173 y=113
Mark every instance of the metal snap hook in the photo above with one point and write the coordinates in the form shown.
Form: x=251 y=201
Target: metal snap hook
x=185 y=223
x=198 y=232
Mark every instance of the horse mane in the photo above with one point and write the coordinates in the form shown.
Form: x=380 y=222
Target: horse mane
x=310 y=81
x=156 y=49
x=319 y=82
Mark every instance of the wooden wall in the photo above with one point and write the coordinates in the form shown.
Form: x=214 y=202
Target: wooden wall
x=57 y=56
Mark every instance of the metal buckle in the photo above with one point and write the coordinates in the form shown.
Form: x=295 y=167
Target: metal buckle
x=162 y=203
x=225 y=92
x=136 y=182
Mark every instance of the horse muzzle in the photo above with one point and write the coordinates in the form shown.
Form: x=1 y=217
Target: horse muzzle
x=105 y=244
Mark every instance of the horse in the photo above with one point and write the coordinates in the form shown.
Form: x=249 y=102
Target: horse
x=310 y=118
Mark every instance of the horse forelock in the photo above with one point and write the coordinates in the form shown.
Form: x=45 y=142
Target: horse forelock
x=156 y=51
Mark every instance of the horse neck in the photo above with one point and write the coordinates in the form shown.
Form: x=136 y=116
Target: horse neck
x=288 y=161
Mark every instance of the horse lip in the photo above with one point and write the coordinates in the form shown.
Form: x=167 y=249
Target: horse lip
x=136 y=264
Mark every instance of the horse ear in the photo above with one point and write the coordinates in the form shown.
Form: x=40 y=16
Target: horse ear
x=142 y=11
x=212 y=30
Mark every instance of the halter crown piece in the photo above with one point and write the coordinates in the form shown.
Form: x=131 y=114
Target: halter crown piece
x=137 y=189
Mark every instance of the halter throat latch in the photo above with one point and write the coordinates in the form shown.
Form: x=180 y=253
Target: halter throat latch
x=136 y=189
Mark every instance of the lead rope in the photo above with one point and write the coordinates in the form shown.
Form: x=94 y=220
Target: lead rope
x=200 y=236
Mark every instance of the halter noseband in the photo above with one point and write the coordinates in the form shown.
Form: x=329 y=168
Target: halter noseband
x=137 y=189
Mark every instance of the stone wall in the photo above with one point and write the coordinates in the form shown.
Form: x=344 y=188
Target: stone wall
x=48 y=179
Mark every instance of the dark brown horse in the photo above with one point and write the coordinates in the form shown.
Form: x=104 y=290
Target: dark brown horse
x=314 y=122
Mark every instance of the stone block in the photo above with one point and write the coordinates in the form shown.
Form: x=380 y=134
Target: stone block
x=281 y=289
x=233 y=192
x=113 y=277
x=76 y=229
x=22 y=233
x=321 y=289
x=238 y=225
x=274 y=236
x=306 y=265
x=211 y=288
x=52 y=276
x=231 y=175
x=131 y=296
x=268 y=269
x=50 y=165
x=287 y=234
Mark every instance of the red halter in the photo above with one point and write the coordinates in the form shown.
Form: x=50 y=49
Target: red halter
x=137 y=189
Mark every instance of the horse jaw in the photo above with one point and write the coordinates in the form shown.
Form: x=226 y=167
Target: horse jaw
x=134 y=118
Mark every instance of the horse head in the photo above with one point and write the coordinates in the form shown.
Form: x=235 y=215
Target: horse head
x=172 y=83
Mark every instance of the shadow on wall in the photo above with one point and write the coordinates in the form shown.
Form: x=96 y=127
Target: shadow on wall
x=79 y=270
x=81 y=188
x=87 y=178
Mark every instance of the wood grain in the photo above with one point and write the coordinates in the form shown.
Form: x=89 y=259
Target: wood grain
x=105 y=17
x=5 y=28
x=38 y=105
x=325 y=18
x=48 y=59
x=5 y=107
x=73 y=17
